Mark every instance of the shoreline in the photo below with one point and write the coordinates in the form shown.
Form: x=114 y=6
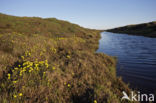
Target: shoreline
x=132 y=34
x=71 y=65
x=144 y=29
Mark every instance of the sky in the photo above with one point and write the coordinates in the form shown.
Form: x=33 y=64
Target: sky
x=95 y=14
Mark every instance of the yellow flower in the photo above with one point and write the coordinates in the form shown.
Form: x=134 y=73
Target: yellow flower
x=41 y=53
x=95 y=101
x=30 y=70
x=68 y=85
x=29 y=54
x=46 y=64
x=24 y=70
x=15 y=96
x=9 y=75
x=53 y=50
x=22 y=57
x=25 y=63
x=53 y=68
x=14 y=82
x=20 y=94
x=68 y=56
x=23 y=87
x=36 y=65
x=46 y=61
x=31 y=63
x=16 y=68
x=41 y=62
x=20 y=73
x=37 y=68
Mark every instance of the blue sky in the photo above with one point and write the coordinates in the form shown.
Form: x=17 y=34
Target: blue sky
x=98 y=14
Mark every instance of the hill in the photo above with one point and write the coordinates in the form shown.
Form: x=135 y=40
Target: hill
x=54 y=61
x=145 y=29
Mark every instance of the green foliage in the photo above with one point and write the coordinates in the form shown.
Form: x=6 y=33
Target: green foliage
x=146 y=29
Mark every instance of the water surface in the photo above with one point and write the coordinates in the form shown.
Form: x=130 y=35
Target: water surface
x=136 y=58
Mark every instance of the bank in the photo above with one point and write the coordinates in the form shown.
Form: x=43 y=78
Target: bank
x=50 y=60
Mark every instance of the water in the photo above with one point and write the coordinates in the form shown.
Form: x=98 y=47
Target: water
x=136 y=59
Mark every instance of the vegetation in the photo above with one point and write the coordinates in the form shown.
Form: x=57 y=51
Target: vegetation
x=145 y=29
x=54 y=61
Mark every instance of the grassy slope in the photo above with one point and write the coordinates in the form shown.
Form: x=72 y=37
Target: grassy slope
x=145 y=29
x=48 y=60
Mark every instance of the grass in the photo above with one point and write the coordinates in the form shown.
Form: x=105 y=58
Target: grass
x=54 y=61
x=145 y=29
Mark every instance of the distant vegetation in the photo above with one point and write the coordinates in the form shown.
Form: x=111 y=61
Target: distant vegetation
x=145 y=29
x=54 y=61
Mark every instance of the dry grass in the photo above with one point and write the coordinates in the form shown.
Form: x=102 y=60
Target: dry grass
x=52 y=68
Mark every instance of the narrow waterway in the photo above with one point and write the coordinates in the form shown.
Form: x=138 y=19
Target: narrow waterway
x=136 y=58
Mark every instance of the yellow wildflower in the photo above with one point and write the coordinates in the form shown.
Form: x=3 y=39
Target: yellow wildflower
x=37 y=68
x=46 y=64
x=23 y=87
x=68 y=56
x=53 y=68
x=30 y=70
x=29 y=54
x=14 y=96
x=22 y=57
x=9 y=75
x=53 y=50
x=41 y=53
x=14 y=82
x=21 y=73
x=24 y=70
x=25 y=63
x=20 y=94
x=46 y=61
x=41 y=62
x=68 y=85
x=36 y=65
x=16 y=68
x=95 y=101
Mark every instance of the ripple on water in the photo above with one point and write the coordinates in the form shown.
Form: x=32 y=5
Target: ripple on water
x=136 y=58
